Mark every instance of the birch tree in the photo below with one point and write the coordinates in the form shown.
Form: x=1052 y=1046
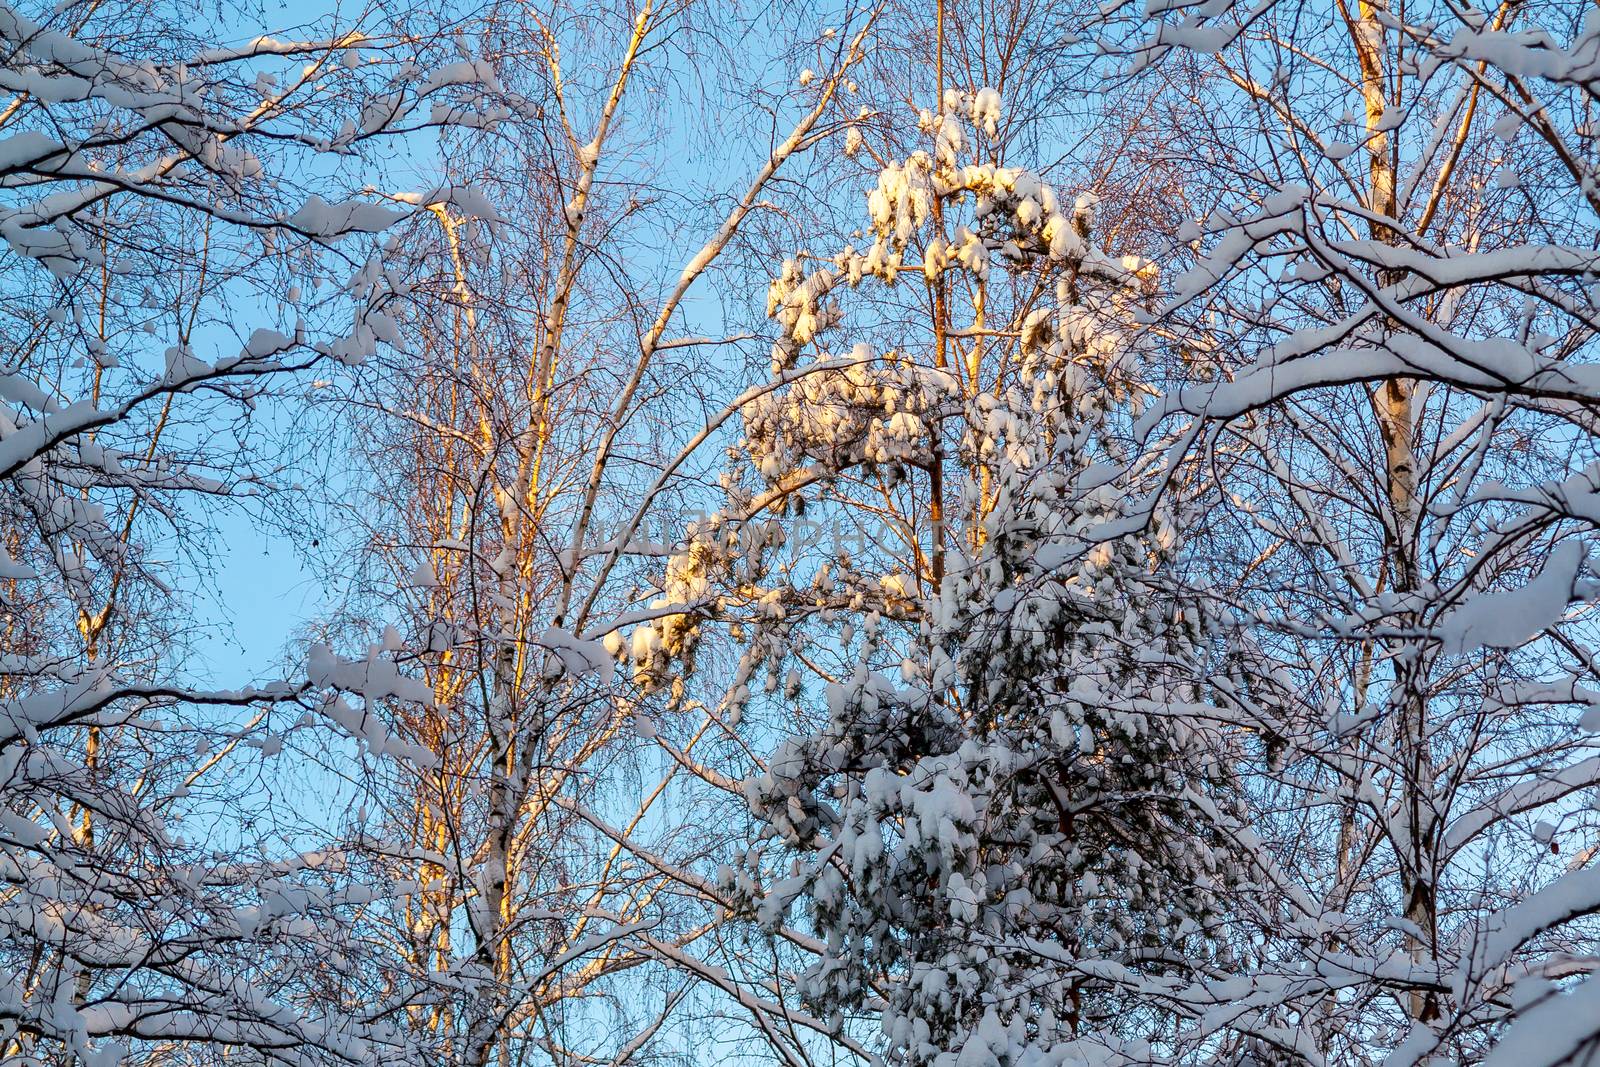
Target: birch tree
x=1387 y=317
x=523 y=433
x=152 y=184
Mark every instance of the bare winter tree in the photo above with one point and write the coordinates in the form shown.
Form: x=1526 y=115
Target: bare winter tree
x=1388 y=319
x=545 y=412
x=164 y=251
